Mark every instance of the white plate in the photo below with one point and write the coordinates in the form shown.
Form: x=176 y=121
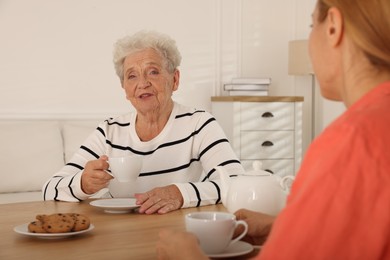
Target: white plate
x=123 y=205
x=237 y=249
x=23 y=229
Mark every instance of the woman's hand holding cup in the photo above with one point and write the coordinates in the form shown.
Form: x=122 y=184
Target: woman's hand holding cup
x=215 y=230
x=95 y=177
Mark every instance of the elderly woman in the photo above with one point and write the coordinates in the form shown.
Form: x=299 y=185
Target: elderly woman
x=338 y=207
x=180 y=146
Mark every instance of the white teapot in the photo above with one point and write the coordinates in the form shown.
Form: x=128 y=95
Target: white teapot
x=256 y=190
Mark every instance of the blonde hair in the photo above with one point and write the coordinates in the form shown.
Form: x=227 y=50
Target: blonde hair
x=367 y=22
x=142 y=40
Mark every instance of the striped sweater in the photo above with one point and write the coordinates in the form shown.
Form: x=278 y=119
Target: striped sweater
x=185 y=153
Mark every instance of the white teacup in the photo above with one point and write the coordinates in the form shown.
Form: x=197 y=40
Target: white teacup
x=214 y=230
x=125 y=169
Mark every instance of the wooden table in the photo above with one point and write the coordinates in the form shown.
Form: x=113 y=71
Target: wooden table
x=115 y=236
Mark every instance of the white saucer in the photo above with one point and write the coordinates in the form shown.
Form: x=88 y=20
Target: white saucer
x=237 y=249
x=123 y=205
x=23 y=230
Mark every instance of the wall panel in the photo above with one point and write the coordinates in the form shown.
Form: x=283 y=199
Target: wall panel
x=56 y=54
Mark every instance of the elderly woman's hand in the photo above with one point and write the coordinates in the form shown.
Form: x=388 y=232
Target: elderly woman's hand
x=160 y=200
x=178 y=245
x=94 y=177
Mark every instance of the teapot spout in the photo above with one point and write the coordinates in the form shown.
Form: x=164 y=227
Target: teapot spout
x=225 y=183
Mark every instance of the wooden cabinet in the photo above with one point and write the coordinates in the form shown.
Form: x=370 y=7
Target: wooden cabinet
x=268 y=129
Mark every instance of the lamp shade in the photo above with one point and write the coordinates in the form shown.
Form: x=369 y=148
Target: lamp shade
x=298 y=58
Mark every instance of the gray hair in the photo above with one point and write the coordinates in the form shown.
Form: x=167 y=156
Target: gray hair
x=141 y=40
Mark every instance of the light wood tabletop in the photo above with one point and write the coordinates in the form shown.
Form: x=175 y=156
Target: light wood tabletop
x=115 y=236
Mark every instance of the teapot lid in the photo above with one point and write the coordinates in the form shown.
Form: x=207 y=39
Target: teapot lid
x=257 y=170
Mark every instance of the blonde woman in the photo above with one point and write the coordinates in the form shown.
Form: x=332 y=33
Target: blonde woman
x=339 y=206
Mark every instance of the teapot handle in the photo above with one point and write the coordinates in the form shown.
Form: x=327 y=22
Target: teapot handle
x=283 y=182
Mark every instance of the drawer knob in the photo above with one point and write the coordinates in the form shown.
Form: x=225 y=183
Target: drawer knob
x=267 y=143
x=267 y=114
x=268 y=170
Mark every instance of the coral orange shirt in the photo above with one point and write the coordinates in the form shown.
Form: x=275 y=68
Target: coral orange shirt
x=339 y=205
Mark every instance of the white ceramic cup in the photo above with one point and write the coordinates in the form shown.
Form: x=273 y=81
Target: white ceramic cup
x=214 y=230
x=125 y=169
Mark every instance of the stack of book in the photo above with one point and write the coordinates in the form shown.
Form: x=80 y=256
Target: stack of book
x=248 y=87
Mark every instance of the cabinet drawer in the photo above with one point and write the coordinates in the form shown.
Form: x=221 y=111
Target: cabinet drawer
x=278 y=167
x=267 y=145
x=267 y=116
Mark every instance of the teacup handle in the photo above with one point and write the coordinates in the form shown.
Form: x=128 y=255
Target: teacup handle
x=240 y=222
x=110 y=173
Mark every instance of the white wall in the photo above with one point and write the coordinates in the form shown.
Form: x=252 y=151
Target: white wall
x=303 y=84
x=267 y=27
x=55 y=55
